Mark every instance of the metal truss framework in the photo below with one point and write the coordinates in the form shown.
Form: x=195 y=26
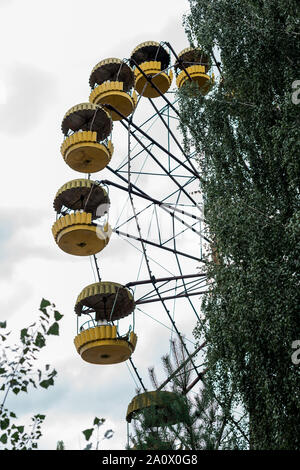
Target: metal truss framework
x=149 y=157
x=176 y=202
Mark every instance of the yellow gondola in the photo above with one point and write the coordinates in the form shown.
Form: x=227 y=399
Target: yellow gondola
x=76 y=234
x=101 y=345
x=150 y=59
x=87 y=149
x=164 y=405
x=193 y=64
x=112 y=81
x=78 y=204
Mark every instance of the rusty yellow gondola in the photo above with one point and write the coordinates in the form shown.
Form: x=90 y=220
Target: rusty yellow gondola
x=104 y=302
x=76 y=234
x=150 y=59
x=109 y=301
x=102 y=345
x=77 y=203
x=163 y=407
x=112 y=82
x=193 y=64
x=86 y=147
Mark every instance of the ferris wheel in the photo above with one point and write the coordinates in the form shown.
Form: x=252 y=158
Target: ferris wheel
x=150 y=200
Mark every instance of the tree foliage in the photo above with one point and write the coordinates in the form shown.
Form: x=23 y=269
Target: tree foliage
x=18 y=373
x=245 y=133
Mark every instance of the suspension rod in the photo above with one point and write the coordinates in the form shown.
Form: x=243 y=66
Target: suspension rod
x=191 y=287
x=170 y=297
x=163 y=279
x=97 y=267
x=137 y=374
x=181 y=366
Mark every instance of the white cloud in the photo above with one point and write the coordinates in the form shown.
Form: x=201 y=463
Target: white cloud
x=5 y=2
x=29 y=92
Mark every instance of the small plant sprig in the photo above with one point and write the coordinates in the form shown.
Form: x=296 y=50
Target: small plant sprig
x=18 y=373
x=96 y=427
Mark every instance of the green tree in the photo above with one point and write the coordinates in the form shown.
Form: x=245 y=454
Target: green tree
x=18 y=374
x=245 y=133
x=190 y=420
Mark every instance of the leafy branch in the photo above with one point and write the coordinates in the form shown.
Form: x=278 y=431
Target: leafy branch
x=88 y=433
x=18 y=374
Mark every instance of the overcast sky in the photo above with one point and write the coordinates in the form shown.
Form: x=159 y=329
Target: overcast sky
x=48 y=50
